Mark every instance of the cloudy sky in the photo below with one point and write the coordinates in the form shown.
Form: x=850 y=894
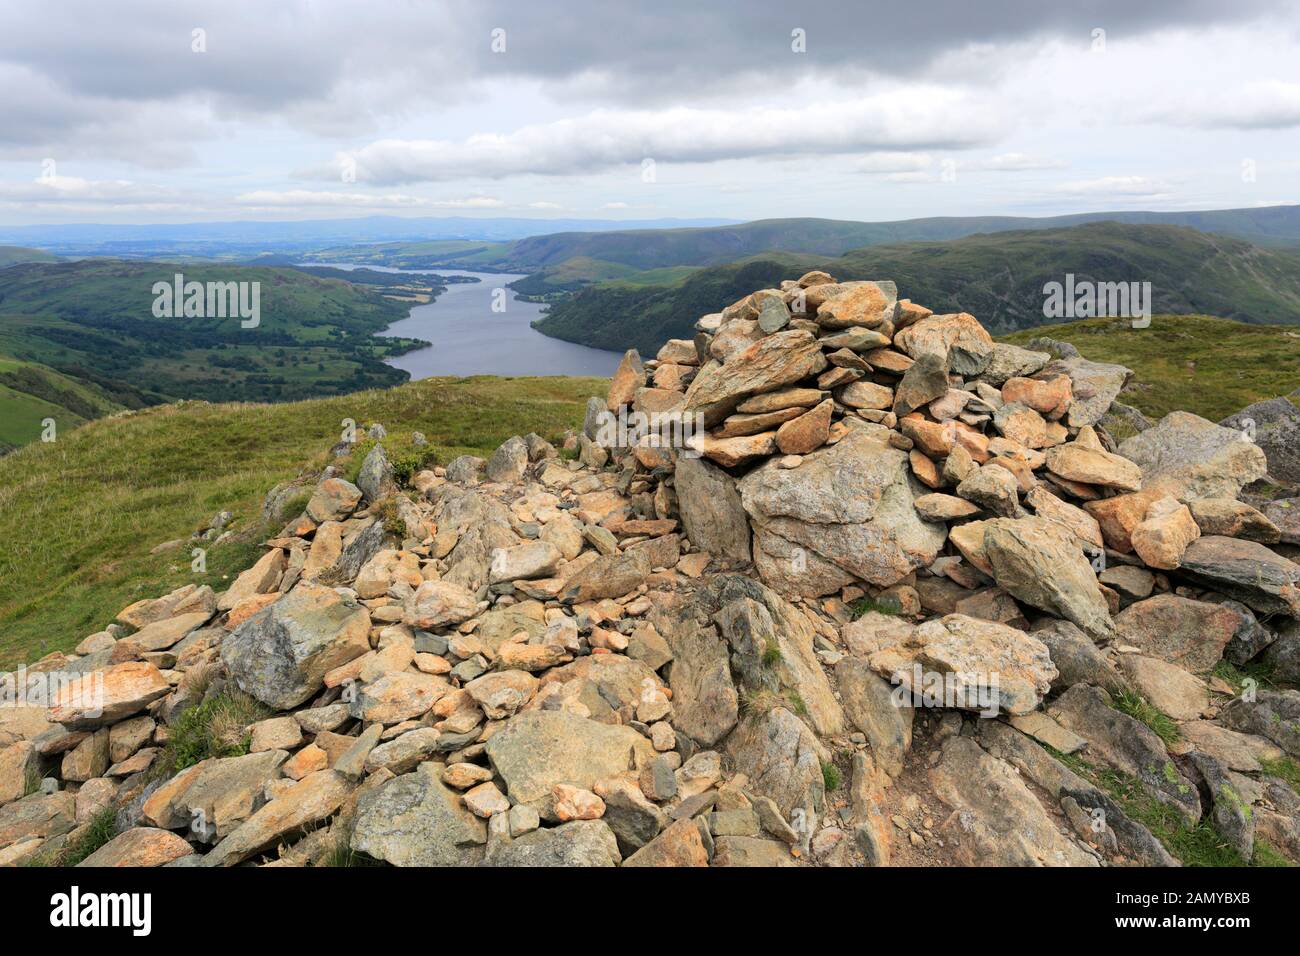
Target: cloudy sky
x=151 y=112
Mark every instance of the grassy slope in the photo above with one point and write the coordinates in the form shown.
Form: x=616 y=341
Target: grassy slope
x=12 y=255
x=31 y=392
x=79 y=516
x=998 y=277
x=1209 y=366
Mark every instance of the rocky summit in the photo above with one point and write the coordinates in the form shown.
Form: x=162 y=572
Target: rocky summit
x=838 y=582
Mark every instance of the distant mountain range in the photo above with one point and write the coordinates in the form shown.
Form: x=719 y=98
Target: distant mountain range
x=252 y=237
x=998 y=277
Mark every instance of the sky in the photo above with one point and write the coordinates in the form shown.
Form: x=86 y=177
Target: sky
x=133 y=112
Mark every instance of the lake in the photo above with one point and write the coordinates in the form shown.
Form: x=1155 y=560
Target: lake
x=470 y=339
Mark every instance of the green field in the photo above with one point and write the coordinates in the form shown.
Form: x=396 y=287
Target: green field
x=79 y=516
x=91 y=322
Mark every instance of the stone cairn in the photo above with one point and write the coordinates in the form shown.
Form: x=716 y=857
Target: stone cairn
x=890 y=571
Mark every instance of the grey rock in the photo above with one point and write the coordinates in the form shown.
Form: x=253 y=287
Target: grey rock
x=509 y=462
x=465 y=469
x=782 y=758
x=578 y=843
x=539 y=749
x=416 y=820
x=1277 y=433
x=1274 y=715
x=998 y=821
x=1253 y=574
x=1189 y=457
x=711 y=509
x=376 y=476
x=1127 y=745
x=281 y=654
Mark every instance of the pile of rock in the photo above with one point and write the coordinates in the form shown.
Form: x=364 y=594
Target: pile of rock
x=898 y=553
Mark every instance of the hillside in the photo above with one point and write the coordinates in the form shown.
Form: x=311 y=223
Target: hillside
x=31 y=393
x=998 y=276
x=13 y=255
x=80 y=516
x=92 y=321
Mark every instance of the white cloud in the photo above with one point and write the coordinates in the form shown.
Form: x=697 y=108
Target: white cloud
x=893 y=163
x=265 y=198
x=917 y=116
x=1019 y=162
x=65 y=189
x=1117 y=187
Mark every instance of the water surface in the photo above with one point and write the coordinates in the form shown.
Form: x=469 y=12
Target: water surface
x=470 y=339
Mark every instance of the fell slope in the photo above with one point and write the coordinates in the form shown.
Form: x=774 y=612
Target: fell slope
x=80 y=516
x=998 y=276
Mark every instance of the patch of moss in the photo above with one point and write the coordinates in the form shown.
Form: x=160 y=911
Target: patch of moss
x=830 y=776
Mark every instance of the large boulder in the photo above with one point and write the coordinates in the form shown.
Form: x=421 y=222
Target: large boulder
x=771 y=645
x=1258 y=577
x=1188 y=457
x=220 y=792
x=1276 y=428
x=963 y=662
x=847 y=508
x=958 y=339
x=1127 y=745
x=711 y=510
x=1191 y=634
x=998 y=820
x=584 y=843
x=538 y=749
x=776 y=360
x=783 y=760
x=281 y=654
x=417 y=820
x=312 y=799
x=706 y=704
x=99 y=698
x=1042 y=564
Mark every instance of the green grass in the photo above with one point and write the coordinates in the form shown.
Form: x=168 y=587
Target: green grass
x=865 y=605
x=1213 y=367
x=1285 y=769
x=13 y=255
x=830 y=776
x=1164 y=727
x=342 y=855
x=1236 y=675
x=101 y=828
x=79 y=516
x=1192 y=845
x=218 y=727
